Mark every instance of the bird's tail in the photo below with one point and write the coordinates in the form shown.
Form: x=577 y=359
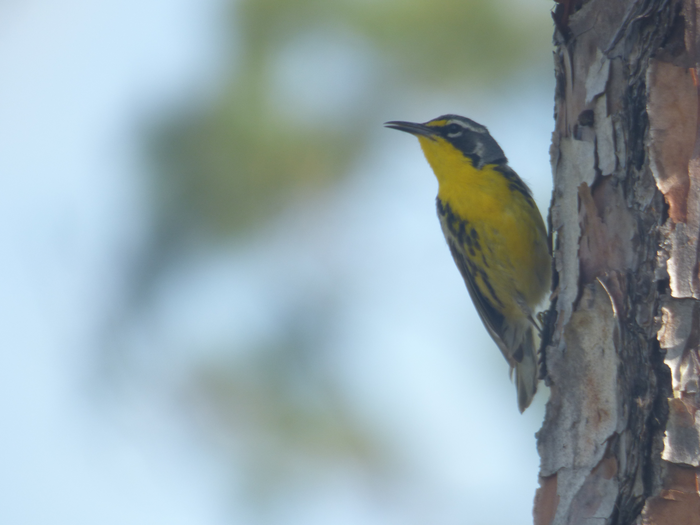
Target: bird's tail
x=526 y=370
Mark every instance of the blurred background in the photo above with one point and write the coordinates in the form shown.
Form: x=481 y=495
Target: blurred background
x=226 y=298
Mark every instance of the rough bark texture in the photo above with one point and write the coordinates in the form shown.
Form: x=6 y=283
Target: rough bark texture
x=625 y=220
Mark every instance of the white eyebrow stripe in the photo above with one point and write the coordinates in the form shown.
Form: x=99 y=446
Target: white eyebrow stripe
x=466 y=125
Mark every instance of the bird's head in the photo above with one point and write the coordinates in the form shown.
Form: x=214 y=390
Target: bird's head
x=453 y=131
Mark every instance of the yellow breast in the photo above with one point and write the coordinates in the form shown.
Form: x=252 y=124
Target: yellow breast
x=511 y=229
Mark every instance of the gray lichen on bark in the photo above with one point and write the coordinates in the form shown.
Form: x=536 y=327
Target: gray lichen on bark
x=603 y=437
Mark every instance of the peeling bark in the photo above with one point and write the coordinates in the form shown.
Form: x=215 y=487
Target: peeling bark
x=620 y=443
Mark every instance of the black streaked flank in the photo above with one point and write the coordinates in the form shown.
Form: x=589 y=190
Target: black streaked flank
x=486 y=309
x=458 y=228
x=470 y=241
x=485 y=279
x=475 y=239
x=440 y=206
x=454 y=223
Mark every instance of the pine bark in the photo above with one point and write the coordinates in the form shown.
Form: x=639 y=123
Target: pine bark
x=620 y=443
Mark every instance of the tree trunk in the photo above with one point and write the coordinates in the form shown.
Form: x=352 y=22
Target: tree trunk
x=621 y=439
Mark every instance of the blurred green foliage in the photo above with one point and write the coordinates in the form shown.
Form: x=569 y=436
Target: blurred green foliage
x=310 y=83
x=285 y=422
x=269 y=136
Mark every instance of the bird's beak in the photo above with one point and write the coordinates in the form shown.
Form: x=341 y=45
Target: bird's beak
x=411 y=127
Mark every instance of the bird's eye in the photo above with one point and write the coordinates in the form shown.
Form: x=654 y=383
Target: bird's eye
x=454 y=130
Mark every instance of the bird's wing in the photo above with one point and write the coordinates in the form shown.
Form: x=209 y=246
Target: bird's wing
x=493 y=320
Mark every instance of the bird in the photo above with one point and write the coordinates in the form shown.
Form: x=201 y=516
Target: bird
x=495 y=233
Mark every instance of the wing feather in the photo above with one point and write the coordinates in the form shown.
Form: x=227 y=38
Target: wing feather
x=513 y=337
